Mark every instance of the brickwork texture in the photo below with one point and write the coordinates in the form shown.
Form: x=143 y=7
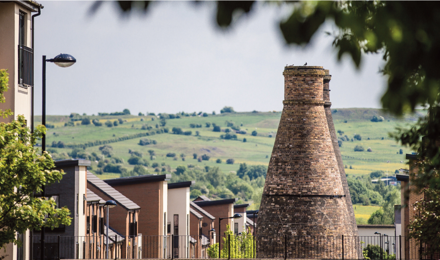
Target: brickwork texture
x=305 y=194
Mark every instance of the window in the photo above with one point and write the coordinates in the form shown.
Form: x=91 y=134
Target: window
x=176 y=224
x=21 y=28
x=84 y=204
x=77 y=204
x=236 y=228
x=56 y=198
x=169 y=228
x=25 y=55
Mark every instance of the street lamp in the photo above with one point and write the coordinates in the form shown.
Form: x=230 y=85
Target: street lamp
x=109 y=204
x=236 y=215
x=380 y=251
x=388 y=245
x=62 y=60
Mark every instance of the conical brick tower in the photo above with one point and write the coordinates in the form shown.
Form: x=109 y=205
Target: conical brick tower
x=304 y=211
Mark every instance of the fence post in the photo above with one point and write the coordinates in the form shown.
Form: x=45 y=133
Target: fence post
x=400 y=247
x=116 y=247
x=229 y=246
x=172 y=246
x=285 y=246
x=59 y=248
x=343 y=247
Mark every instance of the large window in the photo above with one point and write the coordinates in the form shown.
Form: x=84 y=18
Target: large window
x=236 y=228
x=25 y=55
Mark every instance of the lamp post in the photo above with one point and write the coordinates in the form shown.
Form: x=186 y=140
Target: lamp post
x=109 y=204
x=380 y=251
x=236 y=215
x=62 y=60
x=387 y=243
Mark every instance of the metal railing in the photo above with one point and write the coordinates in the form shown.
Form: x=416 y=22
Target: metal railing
x=25 y=66
x=283 y=247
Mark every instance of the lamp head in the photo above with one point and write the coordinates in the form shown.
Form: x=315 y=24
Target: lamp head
x=110 y=204
x=63 y=60
x=236 y=215
x=376 y=233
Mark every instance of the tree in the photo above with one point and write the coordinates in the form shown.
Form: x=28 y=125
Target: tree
x=115 y=123
x=254 y=133
x=180 y=170
x=242 y=170
x=227 y=109
x=108 y=123
x=357 y=137
x=409 y=45
x=126 y=112
x=359 y=148
x=426 y=225
x=234 y=246
x=22 y=172
x=218 y=161
x=230 y=161
x=216 y=129
x=85 y=121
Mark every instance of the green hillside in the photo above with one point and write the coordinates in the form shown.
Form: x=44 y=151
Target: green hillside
x=71 y=136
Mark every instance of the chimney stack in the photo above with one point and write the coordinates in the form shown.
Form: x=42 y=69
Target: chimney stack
x=305 y=197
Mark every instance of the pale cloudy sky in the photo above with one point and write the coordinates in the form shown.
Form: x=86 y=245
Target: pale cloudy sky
x=175 y=59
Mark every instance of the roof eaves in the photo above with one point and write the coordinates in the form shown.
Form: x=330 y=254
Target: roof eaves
x=184 y=184
x=215 y=202
x=241 y=206
x=195 y=213
x=138 y=179
x=204 y=212
x=402 y=177
x=71 y=163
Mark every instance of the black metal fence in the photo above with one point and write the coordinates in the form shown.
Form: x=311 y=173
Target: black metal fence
x=25 y=66
x=283 y=247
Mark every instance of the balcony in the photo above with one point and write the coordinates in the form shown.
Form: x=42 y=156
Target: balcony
x=25 y=66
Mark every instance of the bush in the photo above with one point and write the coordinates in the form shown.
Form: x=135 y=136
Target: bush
x=115 y=123
x=171 y=155
x=147 y=142
x=96 y=122
x=369 y=150
x=359 y=148
x=340 y=143
x=195 y=193
x=218 y=161
x=126 y=112
x=108 y=123
x=177 y=130
x=230 y=161
x=114 y=168
x=155 y=165
x=377 y=119
x=205 y=157
x=244 y=140
x=400 y=151
x=216 y=129
x=357 y=137
x=376 y=174
x=340 y=132
x=120 y=121
x=229 y=136
x=84 y=121
x=205 y=114
x=180 y=170
x=254 y=133
x=187 y=133
x=208 y=124
x=227 y=110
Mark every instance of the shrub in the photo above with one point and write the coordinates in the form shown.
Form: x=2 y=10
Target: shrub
x=357 y=137
x=96 y=122
x=70 y=123
x=147 y=142
x=84 y=121
x=400 y=151
x=205 y=114
x=177 y=130
x=194 y=156
x=244 y=140
x=359 y=148
x=187 y=133
x=369 y=150
x=197 y=133
x=180 y=170
x=230 y=161
x=377 y=119
x=115 y=123
x=120 y=121
x=229 y=136
x=340 y=132
x=227 y=110
x=216 y=129
x=340 y=143
x=155 y=165
x=208 y=124
x=61 y=144
x=126 y=112
x=218 y=161
x=205 y=157
x=195 y=193
x=192 y=125
x=108 y=123
x=171 y=155
x=254 y=133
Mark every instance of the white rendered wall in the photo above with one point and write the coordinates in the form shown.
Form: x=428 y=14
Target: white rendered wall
x=179 y=203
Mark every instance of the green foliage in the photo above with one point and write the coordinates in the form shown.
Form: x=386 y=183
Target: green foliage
x=171 y=155
x=252 y=172
x=194 y=194
x=359 y=148
x=227 y=110
x=24 y=169
x=426 y=225
x=357 y=137
x=126 y=112
x=115 y=123
x=218 y=161
x=134 y=160
x=180 y=170
x=96 y=122
x=377 y=119
x=4 y=80
x=85 y=121
x=374 y=252
x=234 y=246
x=216 y=128
x=108 y=123
x=177 y=130
x=114 y=168
x=144 y=142
x=106 y=150
x=205 y=157
x=376 y=174
x=229 y=136
x=254 y=133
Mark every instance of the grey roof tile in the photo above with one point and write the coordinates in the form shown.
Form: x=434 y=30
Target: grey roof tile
x=91 y=196
x=111 y=192
x=199 y=209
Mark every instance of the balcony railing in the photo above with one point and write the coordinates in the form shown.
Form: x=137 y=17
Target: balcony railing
x=25 y=66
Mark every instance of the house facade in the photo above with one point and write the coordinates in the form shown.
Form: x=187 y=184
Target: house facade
x=17 y=55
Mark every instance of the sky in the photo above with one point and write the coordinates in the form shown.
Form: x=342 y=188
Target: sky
x=174 y=58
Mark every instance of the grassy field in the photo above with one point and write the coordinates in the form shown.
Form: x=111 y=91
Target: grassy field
x=364 y=212
x=255 y=151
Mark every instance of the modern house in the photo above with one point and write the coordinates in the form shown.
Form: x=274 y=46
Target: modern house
x=240 y=224
x=150 y=192
x=17 y=29
x=124 y=217
x=202 y=228
x=70 y=192
x=219 y=209
x=178 y=223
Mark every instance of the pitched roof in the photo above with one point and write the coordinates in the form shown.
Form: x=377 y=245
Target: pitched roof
x=112 y=235
x=241 y=205
x=203 y=198
x=199 y=209
x=215 y=202
x=249 y=221
x=111 y=192
x=138 y=179
x=91 y=196
x=195 y=213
